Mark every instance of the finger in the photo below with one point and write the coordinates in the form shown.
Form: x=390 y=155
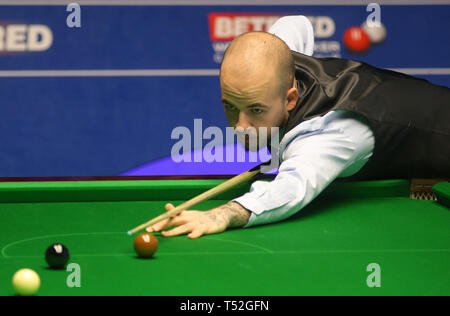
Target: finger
x=180 y=230
x=176 y=221
x=169 y=207
x=195 y=234
x=159 y=226
x=163 y=224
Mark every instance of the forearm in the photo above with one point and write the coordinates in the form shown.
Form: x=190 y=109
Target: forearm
x=234 y=213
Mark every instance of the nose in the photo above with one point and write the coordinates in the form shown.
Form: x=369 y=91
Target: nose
x=243 y=121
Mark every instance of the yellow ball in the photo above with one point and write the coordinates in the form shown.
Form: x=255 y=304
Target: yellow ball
x=26 y=282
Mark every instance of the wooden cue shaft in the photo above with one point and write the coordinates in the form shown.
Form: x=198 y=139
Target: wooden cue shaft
x=200 y=198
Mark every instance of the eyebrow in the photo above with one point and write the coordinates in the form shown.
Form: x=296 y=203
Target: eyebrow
x=254 y=105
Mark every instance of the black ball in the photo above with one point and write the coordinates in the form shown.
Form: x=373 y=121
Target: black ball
x=57 y=256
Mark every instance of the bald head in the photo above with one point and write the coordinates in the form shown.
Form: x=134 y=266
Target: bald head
x=256 y=80
x=259 y=56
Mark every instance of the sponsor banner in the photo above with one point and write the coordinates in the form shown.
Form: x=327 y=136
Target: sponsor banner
x=225 y=27
x=195 y=37
x=24 y=38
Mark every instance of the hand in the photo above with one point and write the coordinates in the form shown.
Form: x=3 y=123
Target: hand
x=196 y=223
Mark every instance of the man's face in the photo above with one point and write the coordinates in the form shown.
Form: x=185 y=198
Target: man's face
x=251 y=103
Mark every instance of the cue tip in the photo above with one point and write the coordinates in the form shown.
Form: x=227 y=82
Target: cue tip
x=129 y=233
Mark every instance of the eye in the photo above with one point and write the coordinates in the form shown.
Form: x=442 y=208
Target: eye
x=257 y=111
x=230 y=107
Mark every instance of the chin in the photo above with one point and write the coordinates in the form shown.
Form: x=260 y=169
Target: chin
x=253 y=143
x=248 y=147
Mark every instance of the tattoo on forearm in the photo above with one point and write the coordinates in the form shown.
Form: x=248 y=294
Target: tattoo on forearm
x=239 y=216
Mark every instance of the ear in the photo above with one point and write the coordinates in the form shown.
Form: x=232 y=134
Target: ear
x=291 y=99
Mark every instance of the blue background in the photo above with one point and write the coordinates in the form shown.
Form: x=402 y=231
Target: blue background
x=99 y=126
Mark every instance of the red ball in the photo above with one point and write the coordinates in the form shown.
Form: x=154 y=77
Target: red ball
x=356 y=40
x=145 y=245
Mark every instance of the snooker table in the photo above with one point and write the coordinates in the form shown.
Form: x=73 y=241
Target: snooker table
x=325 y=249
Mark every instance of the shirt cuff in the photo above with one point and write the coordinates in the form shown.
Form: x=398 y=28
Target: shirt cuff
x=252 y=204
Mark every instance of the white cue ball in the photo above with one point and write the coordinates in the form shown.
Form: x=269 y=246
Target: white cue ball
x=26 y=282
x=376 y=31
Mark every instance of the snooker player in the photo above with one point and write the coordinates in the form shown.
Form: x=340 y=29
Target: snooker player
x=337 y=118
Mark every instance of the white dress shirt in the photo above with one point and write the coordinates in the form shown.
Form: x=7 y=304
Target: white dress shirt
x=297 y=32
x=312 y=155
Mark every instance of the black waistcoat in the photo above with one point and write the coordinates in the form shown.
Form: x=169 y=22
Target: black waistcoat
x=410 y=117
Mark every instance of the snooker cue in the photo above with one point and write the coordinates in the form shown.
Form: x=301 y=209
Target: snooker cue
x=202 y=197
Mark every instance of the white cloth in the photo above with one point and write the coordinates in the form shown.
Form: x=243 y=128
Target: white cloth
x=297 y=32
x=312 y=156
